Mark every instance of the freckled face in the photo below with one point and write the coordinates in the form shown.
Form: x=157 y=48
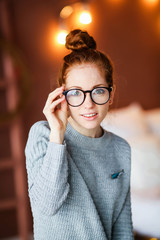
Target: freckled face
x=88 y=115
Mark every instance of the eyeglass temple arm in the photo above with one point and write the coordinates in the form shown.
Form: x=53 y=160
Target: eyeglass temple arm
x=111 y=88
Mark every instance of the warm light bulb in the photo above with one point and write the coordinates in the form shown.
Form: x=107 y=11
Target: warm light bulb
x=85 y=17
x=66 y=12
x=151 y=1
x=61 y=37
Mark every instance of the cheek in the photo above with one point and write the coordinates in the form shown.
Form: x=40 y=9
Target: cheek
x=104 y=110
x=72 y=111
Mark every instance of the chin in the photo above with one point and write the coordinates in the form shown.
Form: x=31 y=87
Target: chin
x=90 y=124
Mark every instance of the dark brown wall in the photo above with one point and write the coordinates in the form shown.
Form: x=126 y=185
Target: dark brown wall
x=127 y=31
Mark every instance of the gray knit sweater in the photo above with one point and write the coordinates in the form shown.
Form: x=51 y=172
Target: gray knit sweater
x=78 y=190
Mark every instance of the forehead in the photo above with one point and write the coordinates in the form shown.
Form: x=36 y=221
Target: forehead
x=84 y=76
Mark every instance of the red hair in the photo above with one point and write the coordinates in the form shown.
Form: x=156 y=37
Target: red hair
x=83 y=48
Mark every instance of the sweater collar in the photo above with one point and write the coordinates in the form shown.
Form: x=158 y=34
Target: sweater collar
x=74 y=138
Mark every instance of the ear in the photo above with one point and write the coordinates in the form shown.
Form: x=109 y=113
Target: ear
x=112 y=95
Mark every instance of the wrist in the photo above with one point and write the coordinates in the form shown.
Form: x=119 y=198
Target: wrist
x=56 y=137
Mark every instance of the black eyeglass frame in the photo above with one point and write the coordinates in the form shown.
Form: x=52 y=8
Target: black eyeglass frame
x=87 y=91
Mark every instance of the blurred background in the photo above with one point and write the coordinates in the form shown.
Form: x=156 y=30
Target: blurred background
x=31 y=50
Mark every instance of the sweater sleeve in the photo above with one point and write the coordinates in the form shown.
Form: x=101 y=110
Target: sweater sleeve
x=122 y=228
x=47 y=170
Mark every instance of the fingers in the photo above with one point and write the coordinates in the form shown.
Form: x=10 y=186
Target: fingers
x=54 y=104
x=55 y=94
x=54 y=99
x=64 y=105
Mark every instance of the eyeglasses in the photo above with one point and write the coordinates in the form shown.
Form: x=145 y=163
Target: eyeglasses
x=99 y=95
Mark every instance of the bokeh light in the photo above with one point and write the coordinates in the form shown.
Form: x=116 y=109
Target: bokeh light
x=61 y=37
x=151 y=2
x=85 y=17
x=66 y=12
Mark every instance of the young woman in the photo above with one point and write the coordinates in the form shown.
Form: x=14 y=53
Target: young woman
x=78 y=173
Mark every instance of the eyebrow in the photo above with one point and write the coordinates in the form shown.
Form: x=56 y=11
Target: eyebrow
x=98 y=85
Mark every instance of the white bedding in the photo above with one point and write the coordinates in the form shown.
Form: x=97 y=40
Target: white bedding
x=142 y=130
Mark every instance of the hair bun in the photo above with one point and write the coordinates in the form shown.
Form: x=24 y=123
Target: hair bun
x=78 y=40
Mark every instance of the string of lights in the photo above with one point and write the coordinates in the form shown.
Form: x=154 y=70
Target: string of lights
x=79 y=11
x=81 y=15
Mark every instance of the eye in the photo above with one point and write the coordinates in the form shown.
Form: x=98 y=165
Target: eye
x=74 y=93
x=99 y=91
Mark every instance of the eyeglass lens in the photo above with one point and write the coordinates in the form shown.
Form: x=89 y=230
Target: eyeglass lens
x=76 y=97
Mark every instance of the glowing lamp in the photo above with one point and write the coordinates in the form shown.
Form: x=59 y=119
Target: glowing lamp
x=66 y=12
x=151 y=1
x=85 y=17
x=61 y=37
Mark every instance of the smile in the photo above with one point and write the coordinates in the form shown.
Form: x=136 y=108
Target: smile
x=89 y=115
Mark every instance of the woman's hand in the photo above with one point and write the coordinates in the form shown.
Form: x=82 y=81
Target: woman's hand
x=55 y=111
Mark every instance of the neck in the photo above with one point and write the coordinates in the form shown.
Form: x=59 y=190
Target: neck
x=93 y=133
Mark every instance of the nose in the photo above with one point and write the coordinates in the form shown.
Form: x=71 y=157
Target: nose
x=88 y=103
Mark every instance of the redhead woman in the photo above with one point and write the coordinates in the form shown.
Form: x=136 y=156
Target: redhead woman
x=78 y=173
